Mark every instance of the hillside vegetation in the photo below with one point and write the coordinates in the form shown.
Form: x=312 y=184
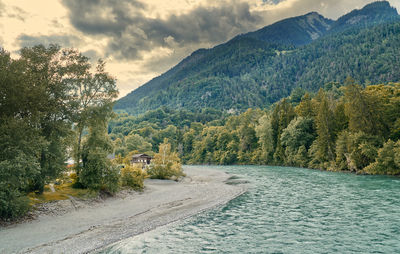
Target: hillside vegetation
x=348 y=128
x=259 y=68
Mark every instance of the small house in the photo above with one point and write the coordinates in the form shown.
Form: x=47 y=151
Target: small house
x=141 y=158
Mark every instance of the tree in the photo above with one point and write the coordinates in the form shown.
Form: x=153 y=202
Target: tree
x=354 y=151
x=97 y=171
x=166 y=163
x=298 y=134
x=135 y=142
x=47 y=106
x=324 y=145
x=20 y=147
x=281 y=116
x=387 y=161
x=305 y=107
x=42 y=94
x=90 y=92
x=265 y=138
x=360 y=110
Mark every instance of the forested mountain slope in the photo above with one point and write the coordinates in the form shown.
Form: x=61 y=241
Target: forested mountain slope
x=261 y=67
x=293 y=31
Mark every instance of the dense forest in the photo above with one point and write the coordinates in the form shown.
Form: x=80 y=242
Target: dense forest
x=256 y=70
x=52 y=106
x=339 y=128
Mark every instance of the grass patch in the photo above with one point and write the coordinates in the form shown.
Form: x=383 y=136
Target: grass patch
x=62 y=192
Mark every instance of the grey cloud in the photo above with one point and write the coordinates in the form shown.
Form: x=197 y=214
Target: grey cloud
x=132 y=33
x=2 y=8
x=328 y=8
x=92 y=54
x=12 y=12
x=62 y=40
x=103 y=16
x=17 y=13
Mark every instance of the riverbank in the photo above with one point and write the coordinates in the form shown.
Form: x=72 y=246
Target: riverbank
x=99 y=224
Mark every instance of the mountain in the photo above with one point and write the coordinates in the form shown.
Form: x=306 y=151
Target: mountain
x=294 y=31
x=261 y=67
x=369 y=15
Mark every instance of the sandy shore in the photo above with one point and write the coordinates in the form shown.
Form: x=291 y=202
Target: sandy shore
x=89 y=228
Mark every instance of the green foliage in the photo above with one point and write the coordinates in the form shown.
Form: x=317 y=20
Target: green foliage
x=110 y=181
x=135 y=142
x=323 y=131
x=132 y=176
x=165 y=164
x=43 y=94
x=144 y=133
x=281 y=116
x=296 y=139
x=265 y=139
x=387 y=161
x=354 y=151
x=97 y=172
x=13 y=204
x=253 y=71
x=325 y=128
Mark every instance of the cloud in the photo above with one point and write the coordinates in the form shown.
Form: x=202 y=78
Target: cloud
x=62 y=40
x=132 y=32
x=92 y=54
x=103 y=16
x=2 y=8
x=17 y=13
x=12 y=12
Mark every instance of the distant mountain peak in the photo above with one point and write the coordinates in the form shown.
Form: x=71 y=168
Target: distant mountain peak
x=378 y=4
x=260 y=67
x=372 y=13
x=296 y=31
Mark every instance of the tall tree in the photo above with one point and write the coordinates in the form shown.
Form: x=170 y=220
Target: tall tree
x=90 y=92
x=281 y=116
x=265 y=138
x=97 y=171
x=324 y=146
x=360 y=109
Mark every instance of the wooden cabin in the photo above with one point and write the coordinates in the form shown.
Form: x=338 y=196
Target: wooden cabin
x=141 y=158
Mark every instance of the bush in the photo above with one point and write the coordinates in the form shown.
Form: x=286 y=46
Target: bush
x=98 y=174
x=132 y=176
x=387 y=161
x=92 y=172
x=166 y=164
x=111 y=180
x=12 y=204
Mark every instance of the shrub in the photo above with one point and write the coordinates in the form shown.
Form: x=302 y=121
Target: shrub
x=111 y=179
x=387 y=161
x=12 y=203
x=166 y=164
x=132 y=176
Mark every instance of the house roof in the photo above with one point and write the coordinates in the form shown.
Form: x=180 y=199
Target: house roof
x=141 y=155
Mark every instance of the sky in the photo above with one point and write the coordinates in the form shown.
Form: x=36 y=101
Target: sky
x=141 y=39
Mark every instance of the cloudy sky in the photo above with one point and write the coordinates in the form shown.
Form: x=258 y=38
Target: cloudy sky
x=141 y=39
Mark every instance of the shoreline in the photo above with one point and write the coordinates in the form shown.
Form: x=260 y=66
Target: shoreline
x=161 y=203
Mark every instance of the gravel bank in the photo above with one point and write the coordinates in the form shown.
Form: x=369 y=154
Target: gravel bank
x=84 y=228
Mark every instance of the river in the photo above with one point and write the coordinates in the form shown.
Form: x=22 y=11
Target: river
x=287 y=210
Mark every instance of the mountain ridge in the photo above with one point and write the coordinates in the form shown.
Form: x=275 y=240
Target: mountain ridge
x=234 y=68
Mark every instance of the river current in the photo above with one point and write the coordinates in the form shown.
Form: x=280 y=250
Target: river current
x=287 y=210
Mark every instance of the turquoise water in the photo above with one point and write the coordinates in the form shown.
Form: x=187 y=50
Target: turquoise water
x=288 y=210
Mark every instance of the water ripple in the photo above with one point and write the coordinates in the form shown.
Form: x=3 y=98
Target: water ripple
x=288 y=210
